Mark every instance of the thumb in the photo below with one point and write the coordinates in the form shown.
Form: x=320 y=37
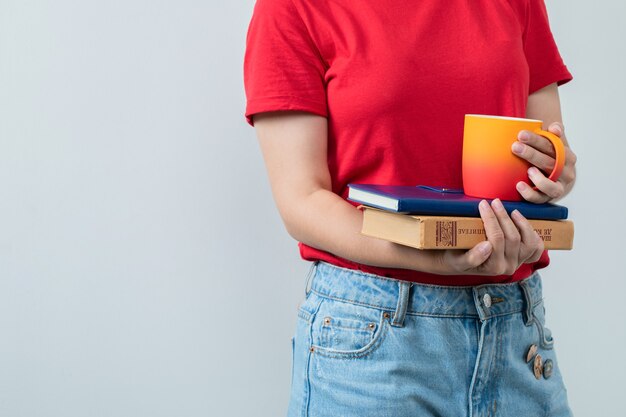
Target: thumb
x=476 y=256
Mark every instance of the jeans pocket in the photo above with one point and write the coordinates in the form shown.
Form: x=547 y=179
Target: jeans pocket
x=344 y=330
x=545 y=334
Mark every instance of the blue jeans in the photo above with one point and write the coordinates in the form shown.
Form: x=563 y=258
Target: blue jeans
x=367 y=345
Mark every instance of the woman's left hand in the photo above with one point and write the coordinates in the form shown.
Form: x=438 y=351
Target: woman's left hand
x=540 y=153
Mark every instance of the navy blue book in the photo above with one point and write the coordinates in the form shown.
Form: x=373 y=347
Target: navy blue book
x=441 y=202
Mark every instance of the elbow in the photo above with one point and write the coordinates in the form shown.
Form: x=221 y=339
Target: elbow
x=292 y=219
x=292 y=228
x=299 y=213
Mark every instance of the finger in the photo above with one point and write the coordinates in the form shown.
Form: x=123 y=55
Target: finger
x=570 y=156
x=553 y=189
x=507 y=225
x=531 y=245
x=466 y=261
x=493 y=231
x=492 y=227
x=557 y=128
x=568 y=175
x=569 y=170
x=538 y=142
x=535 y=157
x=531 y=195
x=511 y=234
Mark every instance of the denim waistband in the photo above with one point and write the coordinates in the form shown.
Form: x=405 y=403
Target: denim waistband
x=403 y=297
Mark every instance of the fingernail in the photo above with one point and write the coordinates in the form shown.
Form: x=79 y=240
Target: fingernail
x=516 y=214
x=517 y=147
x=557 y=128
x=497 y=204
x=483 y=205
x=533 y=171
x=523 y=136
x=521 y=186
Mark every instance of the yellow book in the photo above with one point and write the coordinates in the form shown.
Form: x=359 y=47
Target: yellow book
x=441 y=232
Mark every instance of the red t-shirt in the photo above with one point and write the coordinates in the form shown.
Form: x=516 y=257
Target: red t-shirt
x=395 y=79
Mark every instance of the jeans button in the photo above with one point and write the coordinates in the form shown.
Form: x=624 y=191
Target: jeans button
x=532 y=351
x=487 y=300
x=538 y=367
x=548 y=367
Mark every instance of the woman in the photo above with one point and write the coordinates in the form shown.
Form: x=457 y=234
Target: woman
x=375 y=92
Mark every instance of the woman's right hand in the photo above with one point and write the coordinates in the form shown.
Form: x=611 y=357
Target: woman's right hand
x=511 y=242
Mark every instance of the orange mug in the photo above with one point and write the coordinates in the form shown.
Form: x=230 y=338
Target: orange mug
x=490 y=169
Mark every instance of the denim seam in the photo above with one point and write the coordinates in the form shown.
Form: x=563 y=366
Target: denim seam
x=546 y=344
x=472 y=387
x=304 y=315
x=543 y=341
x=293 y=362
x=490 y=366
x=499 y=359
x=461 y=316
x=358 y=329
x=367 y=274
x=332 y=297
x=307 y=400
x=326 y=334
x=415 y=313
x=309 y=275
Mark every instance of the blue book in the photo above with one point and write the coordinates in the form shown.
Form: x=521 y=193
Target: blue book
x=434 y=201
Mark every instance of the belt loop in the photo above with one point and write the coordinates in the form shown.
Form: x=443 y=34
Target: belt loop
x=307 y=288
x=528 y=301
x=403 y=304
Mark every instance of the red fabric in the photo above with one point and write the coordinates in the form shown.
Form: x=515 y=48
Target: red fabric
x=395 y=79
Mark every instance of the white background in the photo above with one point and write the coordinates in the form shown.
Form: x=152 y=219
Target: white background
x=144 y=270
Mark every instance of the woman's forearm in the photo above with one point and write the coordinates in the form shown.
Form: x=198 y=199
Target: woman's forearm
x=325 y=221
x=294 y=147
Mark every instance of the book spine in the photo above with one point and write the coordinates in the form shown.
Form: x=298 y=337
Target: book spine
x=442 y=232
x=459 y=233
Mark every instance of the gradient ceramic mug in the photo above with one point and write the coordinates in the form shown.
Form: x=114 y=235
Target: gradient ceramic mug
x=490 y=168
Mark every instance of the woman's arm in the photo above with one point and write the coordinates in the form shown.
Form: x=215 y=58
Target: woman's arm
x=545 y=105
x=294 y=146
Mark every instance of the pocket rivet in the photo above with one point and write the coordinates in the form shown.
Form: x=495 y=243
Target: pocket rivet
x=326 y=320
x=312 y=349
x=371 y=326
x=386 y=315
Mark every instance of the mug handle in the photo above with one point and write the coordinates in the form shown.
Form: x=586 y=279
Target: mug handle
x=559 y=150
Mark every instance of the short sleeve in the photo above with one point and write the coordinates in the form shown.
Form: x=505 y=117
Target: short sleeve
x=283 y=69
x=544 y=60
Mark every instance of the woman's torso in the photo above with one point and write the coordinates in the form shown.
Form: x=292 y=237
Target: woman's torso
x=399 y=78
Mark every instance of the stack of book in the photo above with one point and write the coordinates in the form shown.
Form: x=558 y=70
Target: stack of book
x=437 y=218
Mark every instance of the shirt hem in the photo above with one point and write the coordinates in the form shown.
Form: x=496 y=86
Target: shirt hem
x=560 y=76
x=283 y=103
